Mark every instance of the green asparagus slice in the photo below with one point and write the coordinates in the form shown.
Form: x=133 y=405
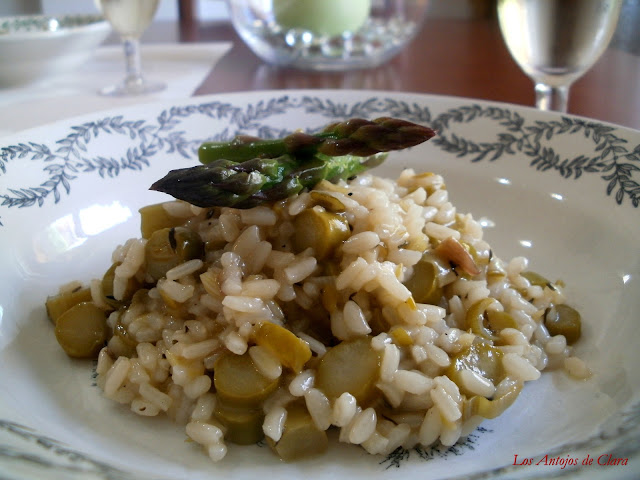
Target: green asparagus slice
x=356 y=136
x=224 y=183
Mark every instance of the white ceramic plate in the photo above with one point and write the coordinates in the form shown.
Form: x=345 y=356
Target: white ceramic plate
x=561 y=190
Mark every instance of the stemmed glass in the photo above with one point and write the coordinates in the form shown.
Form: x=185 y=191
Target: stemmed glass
x=556 y=41
x=130 y=18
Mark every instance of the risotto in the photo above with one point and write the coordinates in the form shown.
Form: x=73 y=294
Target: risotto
x=371 y=306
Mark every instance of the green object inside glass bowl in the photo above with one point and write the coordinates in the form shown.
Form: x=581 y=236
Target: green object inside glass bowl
x=329 y=17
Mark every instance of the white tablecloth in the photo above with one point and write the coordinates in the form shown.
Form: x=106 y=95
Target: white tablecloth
x=182 y=67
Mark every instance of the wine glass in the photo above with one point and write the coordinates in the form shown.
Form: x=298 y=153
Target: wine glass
x=130 y=18
x=556 y=41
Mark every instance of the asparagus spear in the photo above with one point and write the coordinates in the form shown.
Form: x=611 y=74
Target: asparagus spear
x=356 y=136
x=224 y=183
x=248 y=171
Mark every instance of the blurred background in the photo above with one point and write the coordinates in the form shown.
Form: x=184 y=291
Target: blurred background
x=208 y=10
x=627 y=36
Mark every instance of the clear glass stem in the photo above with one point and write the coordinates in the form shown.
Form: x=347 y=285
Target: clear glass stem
x=132 y=61
x=552 y=98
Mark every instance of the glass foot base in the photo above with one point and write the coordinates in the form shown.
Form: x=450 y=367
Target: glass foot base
x=132 y=89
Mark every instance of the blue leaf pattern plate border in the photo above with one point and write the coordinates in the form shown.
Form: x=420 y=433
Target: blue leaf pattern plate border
x=611 y=156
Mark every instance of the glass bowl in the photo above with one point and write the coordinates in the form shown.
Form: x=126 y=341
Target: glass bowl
x=327 y=35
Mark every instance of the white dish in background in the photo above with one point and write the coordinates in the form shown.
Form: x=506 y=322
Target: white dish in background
x=35 y=47
x=561 y=190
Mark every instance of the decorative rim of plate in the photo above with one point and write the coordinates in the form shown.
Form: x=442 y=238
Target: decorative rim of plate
x=613 y=159
x=64 y=161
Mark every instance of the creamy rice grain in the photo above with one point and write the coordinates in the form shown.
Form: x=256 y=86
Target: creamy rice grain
x=319 y=407
x=344 y=409
x=273 y=424
x=363 y=426
x=519 y=367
